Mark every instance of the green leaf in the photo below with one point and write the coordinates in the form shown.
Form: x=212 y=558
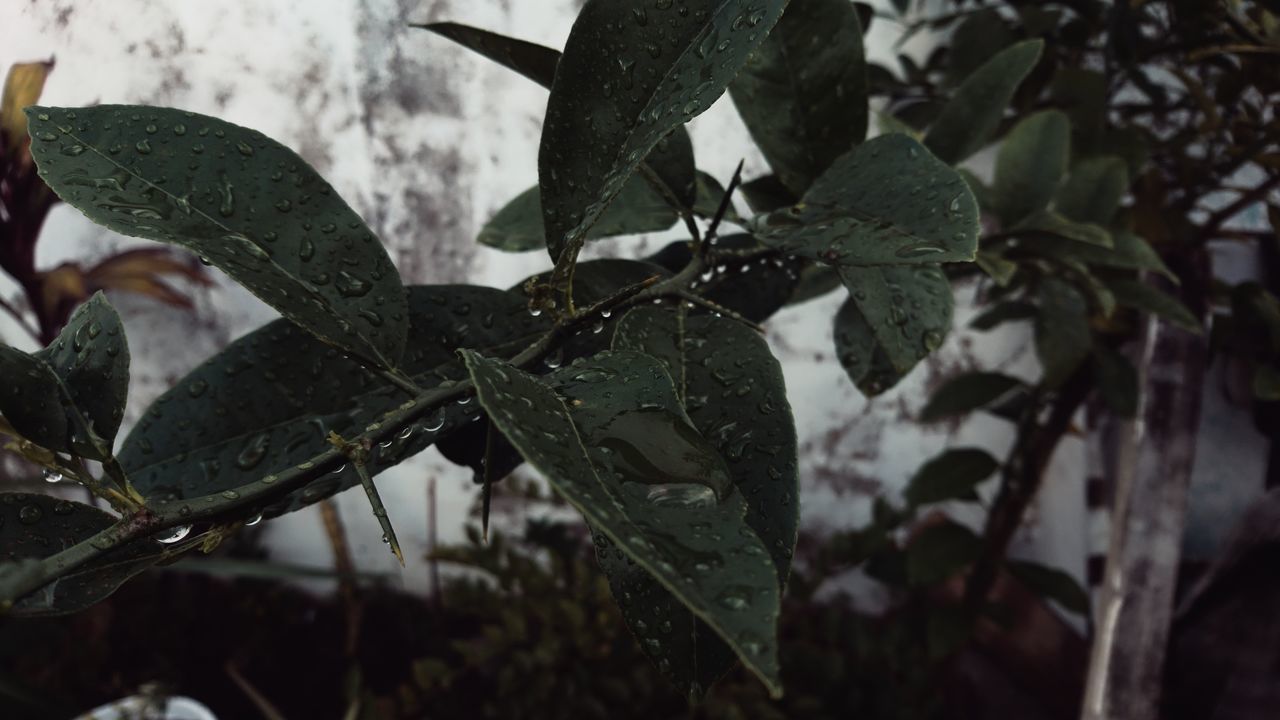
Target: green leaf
x=604 y=456
x=1129 y=252
x=638 y=209
x=978 y=37
x=630 y=75
x=997 y=267
x=33 y=527
x=953 y=475
x=709 y=194
x=968 y=392
x=752 y=429
x=1117 y=380
x=1134 y=293
x=70 y=396
x=1003 y=312
x=815 y=281
x=267 y=402
x=244 y=202
x=887 y=202
x=1093 y=190
x=594 y=281
x=973 y=114
x=536 y=62
x=671 y=163
x=766 y=194
x=940 y=551
x=1031 y=164
x=1052 y=584
x=908 y=309
x=732 y=388
x=1063 y=338
x=1049 y=226
x=860 y=354
x=803 y=93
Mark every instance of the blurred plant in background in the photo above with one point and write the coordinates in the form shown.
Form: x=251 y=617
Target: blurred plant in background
x=50 y=295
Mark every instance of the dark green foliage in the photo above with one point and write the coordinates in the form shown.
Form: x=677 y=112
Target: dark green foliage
x=72 y=394
x=628 y=77
x=971 y=117
x=803 y=93
x=254 y=209
x=642 y=389
x=33 y=527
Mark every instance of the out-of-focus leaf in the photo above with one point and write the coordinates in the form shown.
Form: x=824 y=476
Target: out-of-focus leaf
x=966 y=393
x=22 y=87
x=971 y=117
x=979 y=36
x=1093 y=190
x=248 y=204
x=629 y=76
x=1063 y=338
x=1051 y=226
x=1129 y=252
x=953 y=475
x=1051 y=584
x=939 y=551
x=766 y=194
x=803 y=93
x=888 y=202
x=1003 y=312
x=1117 y=381
x=1139 y=295
x=1031 y=164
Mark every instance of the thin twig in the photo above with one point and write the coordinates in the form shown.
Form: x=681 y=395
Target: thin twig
x=268 y=710
x=22 y=321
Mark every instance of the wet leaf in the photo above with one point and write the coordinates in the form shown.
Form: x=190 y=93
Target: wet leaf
x=888 y=202
x=767 y=193
x=70 y=396
x=638 y=209
x=971 y=116
x=268 y=401
x=1031 y=164
x=803 y=92
x=1093 y=190
x=1136 y=294
x=676 y=516
x=630 y=75
x=908 y=310
x=968 y=392
x=755 y=290
x=860 y=354
x=246 y=203
x=33 y=527
x=1063 y=338
x=671 y=162
x=953 y=475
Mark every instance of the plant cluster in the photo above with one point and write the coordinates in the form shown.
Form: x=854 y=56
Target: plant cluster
x=641 y=389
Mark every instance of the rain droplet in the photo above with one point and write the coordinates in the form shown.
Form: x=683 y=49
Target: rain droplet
x=253 y=520
x=175 y=535
x=30 y=514
x=52 y=476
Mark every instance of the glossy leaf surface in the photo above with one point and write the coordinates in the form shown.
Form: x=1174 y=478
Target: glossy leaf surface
x=246 y=203
x=688 y=534
x=630 y=75
x=888 y=202
x=638 y=209
x=33 y=527
x=803 y=92
x=1031 y=164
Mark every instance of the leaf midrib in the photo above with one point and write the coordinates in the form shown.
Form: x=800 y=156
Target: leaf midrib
x=370 y=345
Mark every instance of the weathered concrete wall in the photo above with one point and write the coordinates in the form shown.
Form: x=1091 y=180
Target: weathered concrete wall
x=427 y=141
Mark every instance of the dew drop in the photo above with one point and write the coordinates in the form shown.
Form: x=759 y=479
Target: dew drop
x=52 y=476
x=175 y=535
